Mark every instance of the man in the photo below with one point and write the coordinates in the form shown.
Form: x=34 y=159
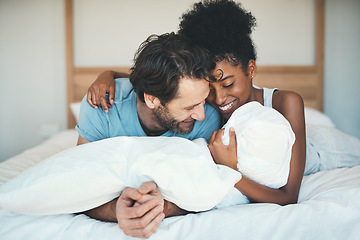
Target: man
x=165 y=97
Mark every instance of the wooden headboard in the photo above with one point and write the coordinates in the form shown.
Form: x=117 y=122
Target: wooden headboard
x=305 y=80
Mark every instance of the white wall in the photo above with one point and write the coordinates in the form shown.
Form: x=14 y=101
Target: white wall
x=32 y=54
x=32 y=73
x=109 y=36
x=342 y=64
x=108 y=32
x=283 y=26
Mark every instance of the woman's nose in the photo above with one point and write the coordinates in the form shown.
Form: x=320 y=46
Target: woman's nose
x=220 y=97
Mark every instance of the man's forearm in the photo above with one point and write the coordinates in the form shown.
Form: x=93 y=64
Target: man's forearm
x=171 y=210
x=105 y=212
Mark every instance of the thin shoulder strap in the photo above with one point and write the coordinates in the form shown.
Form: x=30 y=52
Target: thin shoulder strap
x=267 y=95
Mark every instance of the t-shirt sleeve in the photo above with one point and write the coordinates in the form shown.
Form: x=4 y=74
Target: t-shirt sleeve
x=93 y=123
x=211 y=123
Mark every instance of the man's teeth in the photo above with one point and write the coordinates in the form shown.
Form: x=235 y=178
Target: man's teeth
x=226 y=107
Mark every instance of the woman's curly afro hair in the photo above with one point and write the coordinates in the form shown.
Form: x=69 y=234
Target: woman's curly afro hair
x=224 y=28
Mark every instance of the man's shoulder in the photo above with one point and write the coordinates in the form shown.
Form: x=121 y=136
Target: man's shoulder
x=123 y=88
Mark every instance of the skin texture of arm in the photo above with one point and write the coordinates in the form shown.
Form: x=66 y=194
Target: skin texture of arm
x=104 y=83
x=291 y=106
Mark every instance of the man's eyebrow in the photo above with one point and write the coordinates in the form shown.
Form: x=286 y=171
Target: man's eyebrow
x=192 y=106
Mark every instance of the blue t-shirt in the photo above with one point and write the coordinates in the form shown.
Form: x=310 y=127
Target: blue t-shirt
x=122 y=119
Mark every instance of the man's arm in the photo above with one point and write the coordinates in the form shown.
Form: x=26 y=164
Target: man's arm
x=81 y=140
x=140 y=220
x=171 y=210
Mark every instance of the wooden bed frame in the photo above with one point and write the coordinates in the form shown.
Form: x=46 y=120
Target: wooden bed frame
x=305 y=80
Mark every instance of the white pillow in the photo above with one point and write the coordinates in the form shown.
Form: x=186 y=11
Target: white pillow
x=264 y=145
x=315 y=117
x=89 y=175
x=75 y=109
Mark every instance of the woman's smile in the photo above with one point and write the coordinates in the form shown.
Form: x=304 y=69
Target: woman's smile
x=227 y=107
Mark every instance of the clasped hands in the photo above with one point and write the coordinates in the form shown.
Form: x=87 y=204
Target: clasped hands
x=140 y=211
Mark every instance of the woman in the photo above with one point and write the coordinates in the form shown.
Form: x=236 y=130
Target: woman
x=231 y=87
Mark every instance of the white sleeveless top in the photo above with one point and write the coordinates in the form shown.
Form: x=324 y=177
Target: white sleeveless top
x=267 y=95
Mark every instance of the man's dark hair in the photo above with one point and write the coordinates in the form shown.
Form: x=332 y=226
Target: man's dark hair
x=224 y=28
x=160 y=63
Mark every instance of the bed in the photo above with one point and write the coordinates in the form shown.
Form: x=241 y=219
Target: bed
x=328 y=208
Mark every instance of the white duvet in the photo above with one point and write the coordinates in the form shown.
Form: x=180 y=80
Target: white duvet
x=328 y=208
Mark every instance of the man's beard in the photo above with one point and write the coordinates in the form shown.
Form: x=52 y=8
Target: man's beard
x=167 y=120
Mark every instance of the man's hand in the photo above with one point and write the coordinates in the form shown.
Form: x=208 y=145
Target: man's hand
x=140 y=211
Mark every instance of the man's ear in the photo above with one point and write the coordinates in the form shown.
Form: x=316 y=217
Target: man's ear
x=251 y=70
x=151 y=101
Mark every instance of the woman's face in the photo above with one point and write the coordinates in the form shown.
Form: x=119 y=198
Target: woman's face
x=232 y=91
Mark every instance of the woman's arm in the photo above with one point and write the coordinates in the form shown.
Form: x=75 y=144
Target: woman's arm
x=291 y=106
x=96 y=95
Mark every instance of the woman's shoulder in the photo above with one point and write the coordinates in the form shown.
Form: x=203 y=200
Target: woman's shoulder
x=284 y=97
x=288 y=102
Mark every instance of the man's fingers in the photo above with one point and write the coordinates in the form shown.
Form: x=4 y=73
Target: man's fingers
x=143 y=218
x=139 y=210
x=146 y=197
x=147 y=187
x=130 y=193
x=145 y=226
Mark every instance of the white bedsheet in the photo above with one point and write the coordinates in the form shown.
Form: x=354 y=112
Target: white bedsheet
x=17 y=164
x=328 y=208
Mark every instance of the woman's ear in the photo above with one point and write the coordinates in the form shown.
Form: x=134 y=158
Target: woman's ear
x=251 y=69
x=151 y=101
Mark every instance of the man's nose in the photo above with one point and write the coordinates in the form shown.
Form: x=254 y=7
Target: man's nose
x=199 y=112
